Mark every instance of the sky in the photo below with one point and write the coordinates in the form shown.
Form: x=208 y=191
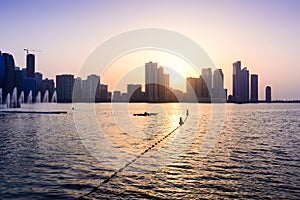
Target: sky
x=263 y=34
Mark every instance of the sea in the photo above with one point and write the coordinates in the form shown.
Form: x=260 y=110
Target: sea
x=103 y=151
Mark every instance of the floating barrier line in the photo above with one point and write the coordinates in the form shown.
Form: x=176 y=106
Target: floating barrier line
x=133 y=160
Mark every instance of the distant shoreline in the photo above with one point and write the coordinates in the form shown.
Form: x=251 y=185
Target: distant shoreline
x=259 y=102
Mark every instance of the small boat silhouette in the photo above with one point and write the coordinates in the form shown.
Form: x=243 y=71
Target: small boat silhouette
x=144 y=114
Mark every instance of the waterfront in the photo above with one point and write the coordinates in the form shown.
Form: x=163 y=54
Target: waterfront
x=256 y=155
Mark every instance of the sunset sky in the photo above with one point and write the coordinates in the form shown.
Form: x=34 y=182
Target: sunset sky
x=263 y=34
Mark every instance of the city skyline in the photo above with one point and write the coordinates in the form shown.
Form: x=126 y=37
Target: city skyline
x=26 y=85
x=262 y=34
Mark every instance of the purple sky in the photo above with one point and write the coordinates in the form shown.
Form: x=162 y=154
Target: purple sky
x=263 y=34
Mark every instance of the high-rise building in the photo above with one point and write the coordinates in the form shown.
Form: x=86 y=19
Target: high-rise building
x=207 y=83
x=93 y=87
x=151 y=80
x=131 y=88
x=161 y=84
x=235 y=79
x=134 y=93
x=117 y=96
x=218 y=85
x=167 y=87
x=84 y=90
x=77 y=91
x=19 y=80
x=9 y=78
x=30 y=65
x=2 y=70
x=39 y=82
x=103 y=93
x=244 y=83
x=268 y=94
x=254 y=88
x=64 y=87
x=191 y=89
x=240 y=83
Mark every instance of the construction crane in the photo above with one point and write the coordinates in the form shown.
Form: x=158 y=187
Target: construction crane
x=31 y=50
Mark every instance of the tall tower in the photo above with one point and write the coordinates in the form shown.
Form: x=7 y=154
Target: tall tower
x=240 y=83
x=151 y=79
x=207 y=82
x=244 y=83
x=30 y=65
x=235 y=74
x=191 y=88
x=218 y=84
x=268 y=94
x=254 y=88
x=9 y=76
x=93 y=87
x=161 y=84
x=64 y=87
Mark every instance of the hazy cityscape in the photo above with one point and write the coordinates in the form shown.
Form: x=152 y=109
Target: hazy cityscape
x=25 y=85
x=168 y=100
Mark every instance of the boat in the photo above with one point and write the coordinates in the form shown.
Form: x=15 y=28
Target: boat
x=145 y=114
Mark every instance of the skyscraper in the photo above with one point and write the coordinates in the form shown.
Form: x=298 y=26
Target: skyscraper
x=2 y=70
x=207 y=82
x=268 y=94
x=218 y=84
x=151 y=79
x=9 y=78
x=64 y=87
x=244 y=83
x=77 y=90
x=30 y=65
x=167 y=87
x=103 y=92
x=134 y=92
x=240 y=83
x=161 y=84
x=235 y=79
x=191 y=89
x=254 y=88
x=93 y=87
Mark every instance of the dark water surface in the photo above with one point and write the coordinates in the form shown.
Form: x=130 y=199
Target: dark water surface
x=255 y=154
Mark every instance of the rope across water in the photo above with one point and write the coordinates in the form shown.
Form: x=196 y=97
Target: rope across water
x=133 y=160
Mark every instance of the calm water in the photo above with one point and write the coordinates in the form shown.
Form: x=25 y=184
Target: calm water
x=222 y=151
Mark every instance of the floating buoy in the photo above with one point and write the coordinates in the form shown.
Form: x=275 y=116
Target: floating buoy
x=180 y=121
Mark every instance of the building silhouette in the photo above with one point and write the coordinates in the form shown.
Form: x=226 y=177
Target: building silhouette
x=268 y=94
x=8 y=70
x=93 y=88
x=151 y=78
x=134 y=93
x=156 y=83
x=193 y=89
x=218 y=90
x=104 y=94
x=240 y=81
x=207 y=83
x=206 y=88
x=64 y=87
x=254 y=88
x=2 y=69
x=77 y=90
x=116 y=96
x=30 y=65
